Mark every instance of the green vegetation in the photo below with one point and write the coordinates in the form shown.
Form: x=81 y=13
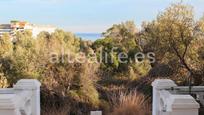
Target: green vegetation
x=175 y=37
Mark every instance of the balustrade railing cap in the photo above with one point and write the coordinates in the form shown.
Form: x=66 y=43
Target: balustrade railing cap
x=8 y=101
x=96 y=113
x=183 y=102
x=27 y=84
x=163 y=83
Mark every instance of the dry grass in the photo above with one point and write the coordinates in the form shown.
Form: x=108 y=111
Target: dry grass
x=131 y=103
x=55 y=111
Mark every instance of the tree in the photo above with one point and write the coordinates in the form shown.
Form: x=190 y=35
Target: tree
x=124 y=35
x=200 y=24
x=5 y=45
x=170 y=36
x=121 y=38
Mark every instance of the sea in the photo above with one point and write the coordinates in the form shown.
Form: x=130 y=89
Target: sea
x=89 y=36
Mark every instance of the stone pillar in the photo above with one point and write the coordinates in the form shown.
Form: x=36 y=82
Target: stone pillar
x=32 y=86
x=158 y=85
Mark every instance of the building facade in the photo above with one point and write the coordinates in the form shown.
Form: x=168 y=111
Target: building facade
x=16 y=26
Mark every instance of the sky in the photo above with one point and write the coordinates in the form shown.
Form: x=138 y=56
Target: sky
x=87 y=16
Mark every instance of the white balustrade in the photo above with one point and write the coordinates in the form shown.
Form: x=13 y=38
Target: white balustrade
x=22 y=99
x=166 y=102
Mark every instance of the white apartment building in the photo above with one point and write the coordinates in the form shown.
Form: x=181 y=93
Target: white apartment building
x=16 y=26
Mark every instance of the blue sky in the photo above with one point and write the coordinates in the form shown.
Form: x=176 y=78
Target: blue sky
x=87 y=15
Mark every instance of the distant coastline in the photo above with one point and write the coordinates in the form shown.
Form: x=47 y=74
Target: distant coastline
x=89 y=36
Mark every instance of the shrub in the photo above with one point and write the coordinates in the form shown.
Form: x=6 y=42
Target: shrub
x=3 y=81
x=70 y=84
